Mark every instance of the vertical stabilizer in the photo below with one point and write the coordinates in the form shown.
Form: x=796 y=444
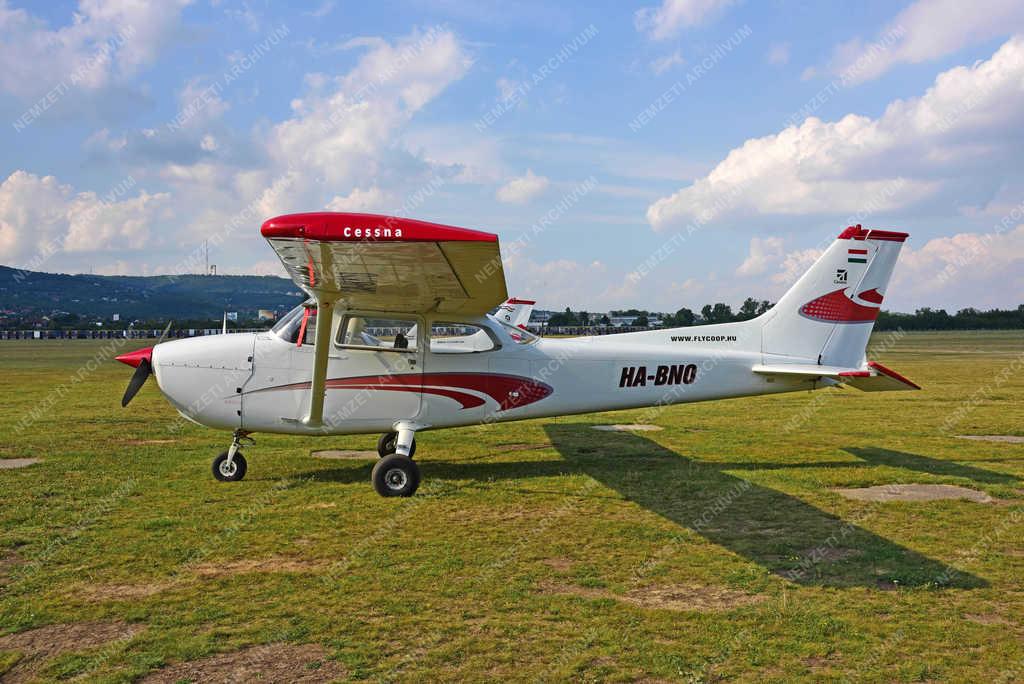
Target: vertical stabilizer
x=828 y=314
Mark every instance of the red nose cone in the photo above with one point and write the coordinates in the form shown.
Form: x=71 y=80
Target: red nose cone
x=134 y=358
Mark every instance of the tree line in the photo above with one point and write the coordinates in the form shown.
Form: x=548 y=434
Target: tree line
x=964 y=319
x=719 y=312
x=709 y=313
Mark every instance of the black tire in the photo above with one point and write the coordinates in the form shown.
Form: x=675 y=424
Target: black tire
x=237 y=471
x=396 y=475
x=387 y=443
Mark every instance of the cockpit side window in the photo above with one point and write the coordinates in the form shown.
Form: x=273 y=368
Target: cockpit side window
x=377 y=334
x=460 y=338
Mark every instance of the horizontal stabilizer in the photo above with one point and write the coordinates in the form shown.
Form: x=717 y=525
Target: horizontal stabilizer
x=874 y=378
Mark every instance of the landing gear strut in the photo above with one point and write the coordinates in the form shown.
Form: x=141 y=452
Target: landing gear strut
x=396 y=474
x=230 y=466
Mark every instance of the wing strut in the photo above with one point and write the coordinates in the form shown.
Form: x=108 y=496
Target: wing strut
x=324 y=318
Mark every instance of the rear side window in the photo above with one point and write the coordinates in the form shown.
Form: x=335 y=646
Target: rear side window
x=377 y=334
x=460 y=338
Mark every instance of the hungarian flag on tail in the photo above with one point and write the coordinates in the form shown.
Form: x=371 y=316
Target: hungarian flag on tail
x=857 y=256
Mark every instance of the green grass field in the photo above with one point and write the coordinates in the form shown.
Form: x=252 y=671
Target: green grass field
x=714 y=549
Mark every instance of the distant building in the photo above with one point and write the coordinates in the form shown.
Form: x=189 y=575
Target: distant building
x=540 y=316
x=266 y=315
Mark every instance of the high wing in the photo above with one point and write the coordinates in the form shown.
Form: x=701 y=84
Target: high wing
x=385 y=263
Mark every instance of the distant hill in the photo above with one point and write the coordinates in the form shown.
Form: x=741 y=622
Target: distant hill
x=144 y=297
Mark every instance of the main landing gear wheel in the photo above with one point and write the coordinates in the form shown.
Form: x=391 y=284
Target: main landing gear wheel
x=226 y=471
x=396 y=475
x=388 y=443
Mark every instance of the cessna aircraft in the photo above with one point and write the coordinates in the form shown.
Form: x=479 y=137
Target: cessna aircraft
x=396 y=338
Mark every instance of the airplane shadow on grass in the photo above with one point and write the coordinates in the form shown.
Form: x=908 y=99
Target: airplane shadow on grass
x=779 y=532
x=933 y=466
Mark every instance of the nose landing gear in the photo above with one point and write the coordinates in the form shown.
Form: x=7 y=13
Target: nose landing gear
x=230 y=466
x=388 y=443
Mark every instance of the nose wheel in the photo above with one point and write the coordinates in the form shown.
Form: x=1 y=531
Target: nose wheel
x=229 y=471
x=388 y=444
x=230 y=465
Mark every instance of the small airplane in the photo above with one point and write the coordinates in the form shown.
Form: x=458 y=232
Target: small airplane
x=396 y=338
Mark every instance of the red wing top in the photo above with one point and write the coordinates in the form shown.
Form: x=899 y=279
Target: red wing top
x=386 y=263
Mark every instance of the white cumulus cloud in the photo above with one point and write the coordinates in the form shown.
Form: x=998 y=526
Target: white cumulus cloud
x=104 y=41
x=39 y=217
x=522 y=189
x=959 y=129
x=966 y=269
x=927 y=30
x=672 y=16
x=342 y=146
x=344 y=137
x=763 y=253
x=373 y=200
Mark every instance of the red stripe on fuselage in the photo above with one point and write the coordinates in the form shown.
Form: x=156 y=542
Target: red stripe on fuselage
x=464 y=398
x=509 y=391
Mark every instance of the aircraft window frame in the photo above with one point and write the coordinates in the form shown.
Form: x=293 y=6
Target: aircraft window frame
x=495 y=340
x=343 y=324
x=289 y=326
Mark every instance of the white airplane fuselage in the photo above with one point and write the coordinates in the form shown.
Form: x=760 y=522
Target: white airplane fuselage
x=330 y=367
x=259 y=382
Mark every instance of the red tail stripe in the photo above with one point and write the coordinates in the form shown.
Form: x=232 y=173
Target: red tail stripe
x=836 y=307
x=872 y=295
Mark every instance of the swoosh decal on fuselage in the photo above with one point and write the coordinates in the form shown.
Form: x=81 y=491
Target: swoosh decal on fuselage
x=509 y=391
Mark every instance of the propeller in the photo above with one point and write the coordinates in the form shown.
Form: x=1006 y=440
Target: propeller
x=142 y=371
x=143 y=362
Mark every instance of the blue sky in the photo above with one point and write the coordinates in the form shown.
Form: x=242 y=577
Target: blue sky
x=135 y=132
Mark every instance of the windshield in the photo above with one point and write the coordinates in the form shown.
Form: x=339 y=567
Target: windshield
x=291 y=323
x=519 y=335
